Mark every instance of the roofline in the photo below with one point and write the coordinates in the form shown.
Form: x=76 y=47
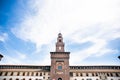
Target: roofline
x=22 y=65
x=50 y=65
x=94 y=65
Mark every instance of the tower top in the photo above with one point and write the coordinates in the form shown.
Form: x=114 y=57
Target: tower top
x=59 y=43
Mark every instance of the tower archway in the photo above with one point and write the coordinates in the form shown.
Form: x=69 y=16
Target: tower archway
x=59 y=78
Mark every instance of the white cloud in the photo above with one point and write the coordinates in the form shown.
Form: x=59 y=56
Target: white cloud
x=3 y=37
x=11 y=60
x=80 y=20
x=14 y=57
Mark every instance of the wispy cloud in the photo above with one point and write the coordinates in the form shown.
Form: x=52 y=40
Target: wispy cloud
x=3 y=37
x=15 y=58
x=79 y=20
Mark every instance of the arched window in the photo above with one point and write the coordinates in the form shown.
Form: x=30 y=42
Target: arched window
x=32 y=74
x=0 y=73
x=59 y=78
x=107 y=74
x=23 y=78
x=23 y=73
x=60 y=40
x=96 y=74
x=71 y=73
x=111 y=74
x=117 y=75
x=6 y=73
x=11 y=74
x=43 y=77
x=81 y=74
x=86 y=74
x=76 y=74
x=4 y=79
x=10 y=79
x=18 y=73
x=40 y=74
x=17 y=79
x=27 y=73
x=37 y=74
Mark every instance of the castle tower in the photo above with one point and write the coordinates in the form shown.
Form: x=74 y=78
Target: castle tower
x=60 y=61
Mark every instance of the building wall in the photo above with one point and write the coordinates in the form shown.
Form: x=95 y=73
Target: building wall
x=9 y=74
x=26 y=75
x=95 y=76
x=29 y=72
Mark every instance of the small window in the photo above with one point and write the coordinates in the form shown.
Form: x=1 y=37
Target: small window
x=107 y=74
x=111 y=75
x=23 y=73
x=36 y=74
x=18 y=73
x=40 y=74
x=17 y=79
x=86 y=74
x=59 y=67
x=43 y=77
x=117 y=75
x=23 y=78
x=81 y=74
x=89 y=79
x=6 y=73
x=11 y=74
x=32 y=74
x=0 y=73
x=4 y=79
x=48 y=73
x=27 y=73
x=10 y=79
x=60 y=40
x=77 y=74
x=48 y=77
x=71 y=73
x=96 y=74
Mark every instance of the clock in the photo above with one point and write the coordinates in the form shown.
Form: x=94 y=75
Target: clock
x=59 y=48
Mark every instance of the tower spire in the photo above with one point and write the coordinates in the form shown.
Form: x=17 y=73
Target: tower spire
x=60 y=43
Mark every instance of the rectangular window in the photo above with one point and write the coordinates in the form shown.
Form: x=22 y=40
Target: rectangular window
x=0 y=73
x=71 y=73
x=59 y=67
x=89 y=79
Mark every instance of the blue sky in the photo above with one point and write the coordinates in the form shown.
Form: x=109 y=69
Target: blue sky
x=90 y=28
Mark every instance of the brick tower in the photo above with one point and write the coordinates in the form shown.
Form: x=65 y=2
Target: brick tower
x=60 y=61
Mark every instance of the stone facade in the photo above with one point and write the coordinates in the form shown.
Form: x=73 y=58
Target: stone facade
x=60 y=65
x=60 y=61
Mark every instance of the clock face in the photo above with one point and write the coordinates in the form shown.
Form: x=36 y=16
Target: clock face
x=59 y=47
